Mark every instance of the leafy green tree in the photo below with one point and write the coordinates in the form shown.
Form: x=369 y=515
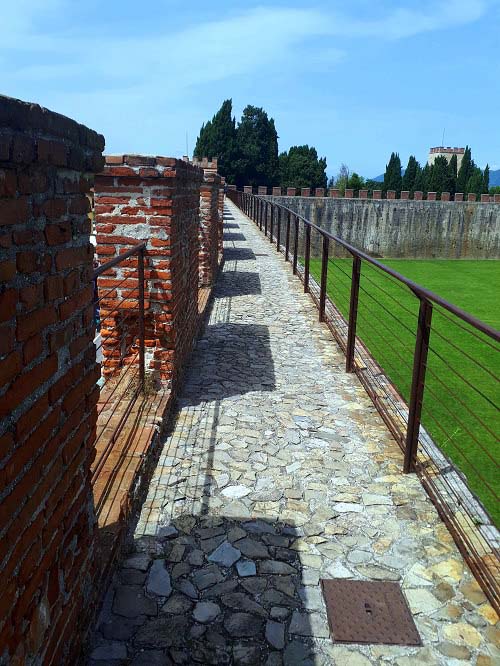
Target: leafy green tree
x=301 y=167
x=217 y=138
x=257 y=143
x=371 y=185
x=440 y=179
x=495 y=189
x=392 y=176
x=355 y=182
x=486 y=179
x=410 y=174
x=465 y=171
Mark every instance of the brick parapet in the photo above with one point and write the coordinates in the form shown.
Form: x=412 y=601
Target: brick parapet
x=209 y=228
x=155 y=200
x=48 y=381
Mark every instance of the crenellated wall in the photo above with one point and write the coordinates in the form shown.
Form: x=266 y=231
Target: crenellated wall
x=399 y=228
x=210 y=214
x=156 y=200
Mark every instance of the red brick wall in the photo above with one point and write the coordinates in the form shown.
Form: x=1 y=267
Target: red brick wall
x=209 y=228
x=48 y=380
x=153 y=199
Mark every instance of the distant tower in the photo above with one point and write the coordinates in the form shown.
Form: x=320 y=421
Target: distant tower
x=446 y=152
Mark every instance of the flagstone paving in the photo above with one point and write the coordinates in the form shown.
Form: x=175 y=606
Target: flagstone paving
x=278 y=472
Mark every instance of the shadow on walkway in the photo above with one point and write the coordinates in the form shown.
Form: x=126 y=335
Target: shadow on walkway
x=210 y=590
x=238 y=283
x=239 y=254
x=230 y=360
x=233 y=237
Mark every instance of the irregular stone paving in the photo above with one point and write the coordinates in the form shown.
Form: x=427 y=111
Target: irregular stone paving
x=278 y=472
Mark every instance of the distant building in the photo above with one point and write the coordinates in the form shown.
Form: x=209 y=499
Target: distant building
x=446 y=152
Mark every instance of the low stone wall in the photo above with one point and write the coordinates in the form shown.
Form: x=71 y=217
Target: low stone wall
x=48 y=389
x=411 y=229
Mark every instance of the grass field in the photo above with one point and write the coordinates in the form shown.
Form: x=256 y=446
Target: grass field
x=459 y=405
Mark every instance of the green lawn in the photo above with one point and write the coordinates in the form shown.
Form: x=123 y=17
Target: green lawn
x=459 y=405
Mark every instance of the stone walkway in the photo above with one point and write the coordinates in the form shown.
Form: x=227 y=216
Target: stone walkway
x=278 y=471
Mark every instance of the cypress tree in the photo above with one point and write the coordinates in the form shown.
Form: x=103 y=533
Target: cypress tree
x=392 y=176
x=486 y=179
x=422 y=179
x=410 y=174
x=475 y=182
x=217 y=138
x=440 y=177
x=257 y=143
x=465 y=171
x=453 y=166
x=452 y=169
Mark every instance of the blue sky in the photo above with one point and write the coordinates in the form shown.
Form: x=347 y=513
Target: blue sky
x=357 y=80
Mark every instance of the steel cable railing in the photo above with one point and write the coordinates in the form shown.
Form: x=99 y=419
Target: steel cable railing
x=430 y=368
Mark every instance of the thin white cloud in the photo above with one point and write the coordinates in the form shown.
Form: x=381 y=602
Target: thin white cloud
x=402 y=22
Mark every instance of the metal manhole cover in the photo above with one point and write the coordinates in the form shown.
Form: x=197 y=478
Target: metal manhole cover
x=368 y=612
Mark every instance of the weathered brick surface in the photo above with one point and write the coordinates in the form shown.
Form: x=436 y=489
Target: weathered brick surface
x=156 y=200
x=221 y=217
x=47 y=356
x=209 y=229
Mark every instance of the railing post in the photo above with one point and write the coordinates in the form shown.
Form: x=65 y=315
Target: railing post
x=353 y=314
x=260 y=214
x=418 y=384
x=295 y=245
x=265 y=217
x=307 y=258
x=287 y=237
x=271 y=224
x=278 y=233
x=142 y=361
x=324 y=275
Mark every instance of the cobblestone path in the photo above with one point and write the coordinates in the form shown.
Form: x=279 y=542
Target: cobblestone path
x=278 y=472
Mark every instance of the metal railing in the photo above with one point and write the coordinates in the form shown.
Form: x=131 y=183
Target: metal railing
x=119 y=307
x=430 y=368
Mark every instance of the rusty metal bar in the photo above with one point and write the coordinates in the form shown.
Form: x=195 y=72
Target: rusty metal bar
x=353 y=314
x=324 y=276
x=117 y=260
x=142 y=361
x=278 y=233
x=307 y=259
x=287 y=237
x=418 y=384
x=295 y=245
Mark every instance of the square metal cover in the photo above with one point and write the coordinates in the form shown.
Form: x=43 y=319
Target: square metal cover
x=368 y=612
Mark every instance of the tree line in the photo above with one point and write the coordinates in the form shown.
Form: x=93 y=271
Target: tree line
x=441 y=176
x=247 y=152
